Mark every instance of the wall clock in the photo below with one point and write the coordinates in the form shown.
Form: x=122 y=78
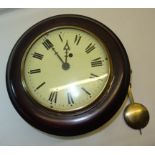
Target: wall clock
x=68 y=75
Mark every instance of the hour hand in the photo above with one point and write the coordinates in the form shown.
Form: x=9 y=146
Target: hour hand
x=66 y=49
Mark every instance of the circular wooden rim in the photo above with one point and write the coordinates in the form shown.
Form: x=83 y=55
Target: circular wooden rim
x=87 y=119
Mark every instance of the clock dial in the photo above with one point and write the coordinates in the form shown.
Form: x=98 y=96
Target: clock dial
x=65 y=69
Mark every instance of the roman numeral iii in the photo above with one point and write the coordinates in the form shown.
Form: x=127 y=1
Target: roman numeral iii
x=96 y=62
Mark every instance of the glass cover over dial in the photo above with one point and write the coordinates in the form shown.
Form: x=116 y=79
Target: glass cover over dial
x=65 y=69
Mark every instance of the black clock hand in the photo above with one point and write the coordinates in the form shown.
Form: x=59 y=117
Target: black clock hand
x=48 y=45
x=66 y=49
x=56 y=53
x=65 y=65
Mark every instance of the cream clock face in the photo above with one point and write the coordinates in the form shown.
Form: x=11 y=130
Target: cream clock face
x=65 y=69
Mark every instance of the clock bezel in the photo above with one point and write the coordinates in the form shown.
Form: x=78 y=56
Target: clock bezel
x=44 y=33
x=80 y=121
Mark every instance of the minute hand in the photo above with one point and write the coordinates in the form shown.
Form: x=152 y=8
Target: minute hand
x=56 y=53
x=65 y=66
x=47 y=43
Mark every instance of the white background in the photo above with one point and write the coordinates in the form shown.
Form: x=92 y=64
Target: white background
x=136 y=30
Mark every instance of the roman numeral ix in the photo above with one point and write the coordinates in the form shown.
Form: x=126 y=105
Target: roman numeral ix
x=35 y=71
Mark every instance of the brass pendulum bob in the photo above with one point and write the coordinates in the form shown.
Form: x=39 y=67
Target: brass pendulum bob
x=136 y=115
